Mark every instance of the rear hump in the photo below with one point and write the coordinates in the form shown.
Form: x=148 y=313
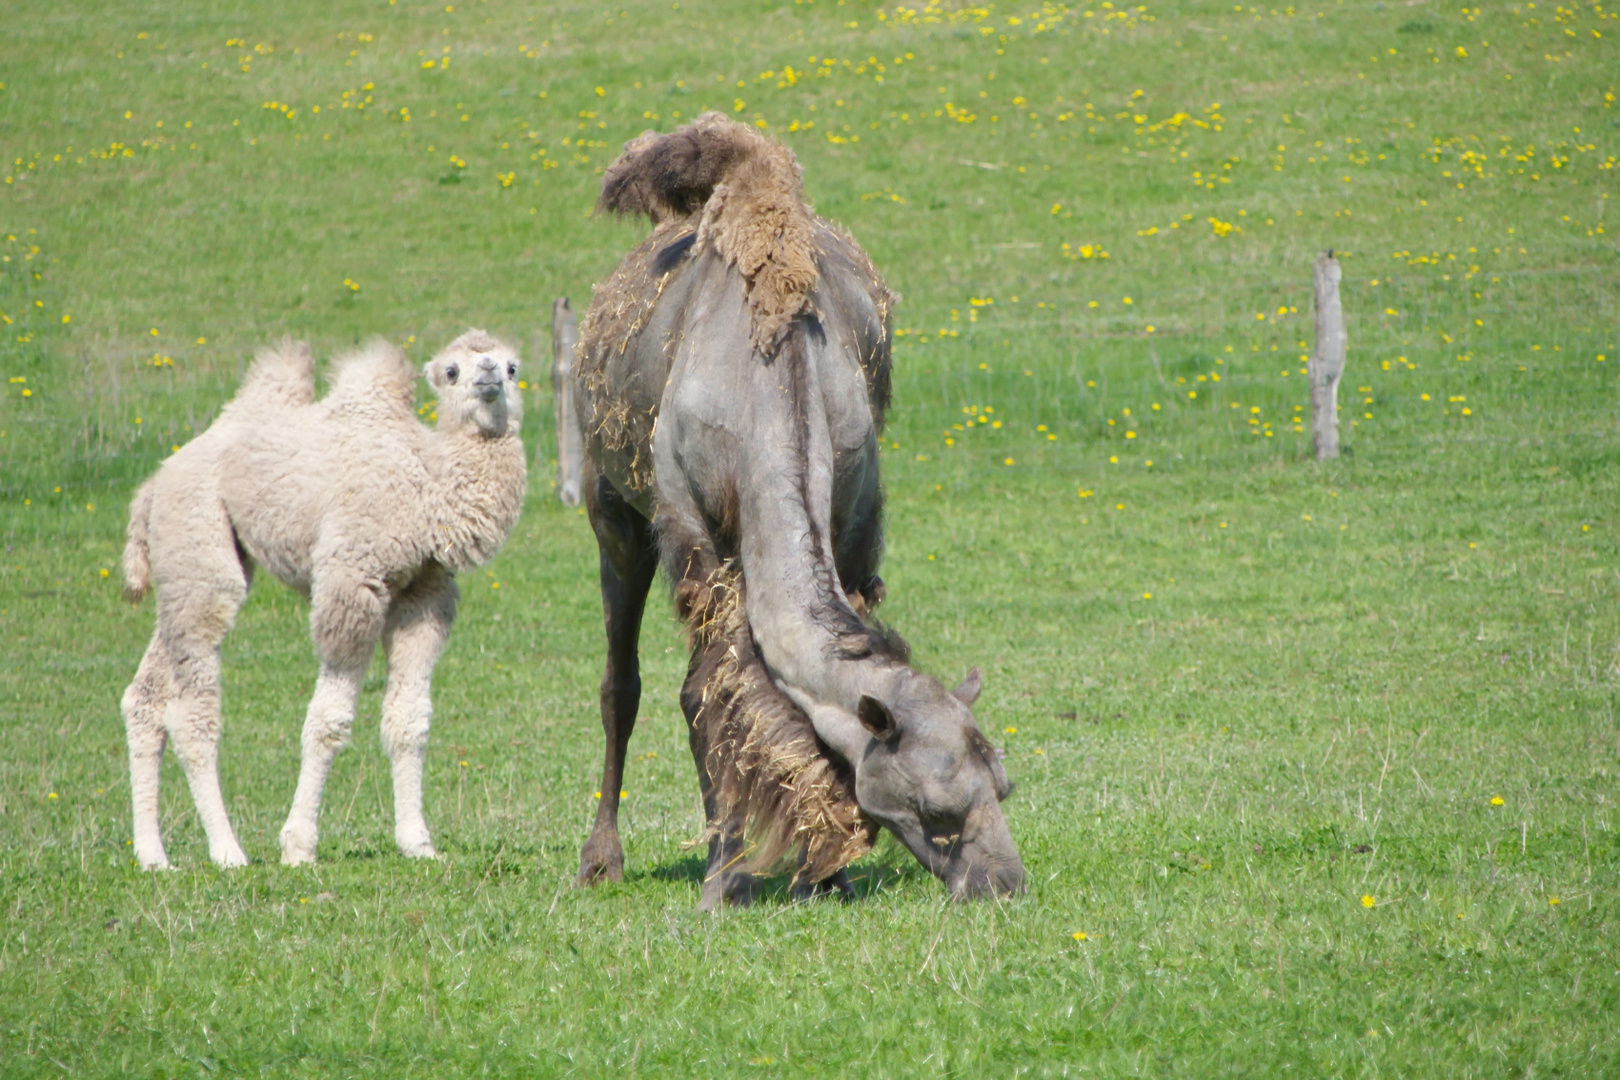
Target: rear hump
x=745 y=193
x=282 y=374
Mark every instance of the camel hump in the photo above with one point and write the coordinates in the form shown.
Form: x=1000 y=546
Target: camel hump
x=746 y=193
x=282 y=374
x=672 y=175
x=377 y=371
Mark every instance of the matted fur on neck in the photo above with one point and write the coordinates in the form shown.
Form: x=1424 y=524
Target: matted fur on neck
x=764 y=759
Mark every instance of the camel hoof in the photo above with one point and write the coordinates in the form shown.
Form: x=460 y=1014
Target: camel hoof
x=601 y=860
x=727 y=890
x=415 y=842
x=297 y=846
x=229 y=859
x=595 y=874
x=157 y=866
x=836 y=887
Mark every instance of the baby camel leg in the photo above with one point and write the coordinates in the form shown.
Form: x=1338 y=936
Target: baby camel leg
x=346 y=618
x=192 y=628
x=418 y=626
x=143 y=707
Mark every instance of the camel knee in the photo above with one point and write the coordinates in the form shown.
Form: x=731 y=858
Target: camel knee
x=193 y=726
x=327 y=733
x=143 y=711
x=405 y=726
x=619 y=690
x=330 y=719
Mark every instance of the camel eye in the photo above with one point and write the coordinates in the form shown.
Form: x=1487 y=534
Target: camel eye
x=511 y=371
x=451 y=373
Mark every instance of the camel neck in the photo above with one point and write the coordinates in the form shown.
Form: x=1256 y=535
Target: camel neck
x=480 y=486
x=807 y=630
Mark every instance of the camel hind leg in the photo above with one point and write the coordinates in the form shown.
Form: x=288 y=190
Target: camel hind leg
x=143 y=707
x=195 y=612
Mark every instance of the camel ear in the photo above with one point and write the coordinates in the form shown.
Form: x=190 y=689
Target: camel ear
x=877 y=719
x=968 y=692
x=430 y=374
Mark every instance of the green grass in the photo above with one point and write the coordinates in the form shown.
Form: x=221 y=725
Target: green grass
x=1238 y=692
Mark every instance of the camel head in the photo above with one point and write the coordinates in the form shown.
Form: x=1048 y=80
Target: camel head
x=925 y=772
x=475 y=377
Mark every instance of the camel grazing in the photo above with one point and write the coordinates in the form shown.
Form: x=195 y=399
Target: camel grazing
x=733 y=375
x=356 y=504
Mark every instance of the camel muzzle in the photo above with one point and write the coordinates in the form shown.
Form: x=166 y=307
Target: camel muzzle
x=986 y=862
x=980 y=881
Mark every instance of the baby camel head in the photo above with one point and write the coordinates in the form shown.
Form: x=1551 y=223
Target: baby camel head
x=475 y=377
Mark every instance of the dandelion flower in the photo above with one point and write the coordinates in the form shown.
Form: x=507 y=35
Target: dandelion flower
x=1496 y=800
x=1368 y=901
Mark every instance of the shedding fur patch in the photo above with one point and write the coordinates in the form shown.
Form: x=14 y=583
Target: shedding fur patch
x=744 y=192
x=620 y=307
x=767 y=767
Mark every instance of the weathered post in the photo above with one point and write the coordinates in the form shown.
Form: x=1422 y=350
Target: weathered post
x=1327 y=359
x=570 y=447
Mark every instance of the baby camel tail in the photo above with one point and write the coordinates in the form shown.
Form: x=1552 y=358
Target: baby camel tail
x=357 y=505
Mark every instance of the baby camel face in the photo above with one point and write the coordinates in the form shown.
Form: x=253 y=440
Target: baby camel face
x=475 y=377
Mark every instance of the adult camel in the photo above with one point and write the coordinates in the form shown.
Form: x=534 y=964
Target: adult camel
x=732 y=378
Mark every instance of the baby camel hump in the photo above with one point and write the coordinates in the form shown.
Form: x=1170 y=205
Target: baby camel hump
x=341 y=479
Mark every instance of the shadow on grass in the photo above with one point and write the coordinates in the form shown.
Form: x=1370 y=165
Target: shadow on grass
x=867 y=879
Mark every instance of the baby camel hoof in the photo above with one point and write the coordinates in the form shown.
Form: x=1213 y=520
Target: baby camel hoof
x=415 y=842
x=229 y=859
x=297 y=847
x=157 y=865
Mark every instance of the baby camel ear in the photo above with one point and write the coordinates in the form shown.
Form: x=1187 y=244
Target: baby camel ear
x=431 y=374
x=877 y=719
x=968 y=692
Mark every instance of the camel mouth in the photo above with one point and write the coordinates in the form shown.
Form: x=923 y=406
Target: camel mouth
x=983 y=882
x=488 y=389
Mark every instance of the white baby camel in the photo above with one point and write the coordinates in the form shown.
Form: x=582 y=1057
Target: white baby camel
x=356 y=504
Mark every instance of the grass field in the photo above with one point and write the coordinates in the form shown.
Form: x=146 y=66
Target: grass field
x=1316 y=765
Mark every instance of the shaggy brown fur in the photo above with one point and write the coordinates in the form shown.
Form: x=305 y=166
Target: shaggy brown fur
x=619 y=309
x=751 y=196
x=764 y=761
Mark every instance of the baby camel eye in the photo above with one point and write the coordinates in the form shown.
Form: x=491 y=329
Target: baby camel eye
x=452 y=372
x=511 y=371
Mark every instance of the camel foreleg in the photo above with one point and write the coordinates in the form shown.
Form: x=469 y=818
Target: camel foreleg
x=418 y=627
x=346 y=619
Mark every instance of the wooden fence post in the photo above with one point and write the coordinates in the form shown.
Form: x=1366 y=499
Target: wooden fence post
x=570 y=447
x=1327 y=359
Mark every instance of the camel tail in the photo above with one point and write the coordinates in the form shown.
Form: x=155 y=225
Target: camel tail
x=137 y=551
